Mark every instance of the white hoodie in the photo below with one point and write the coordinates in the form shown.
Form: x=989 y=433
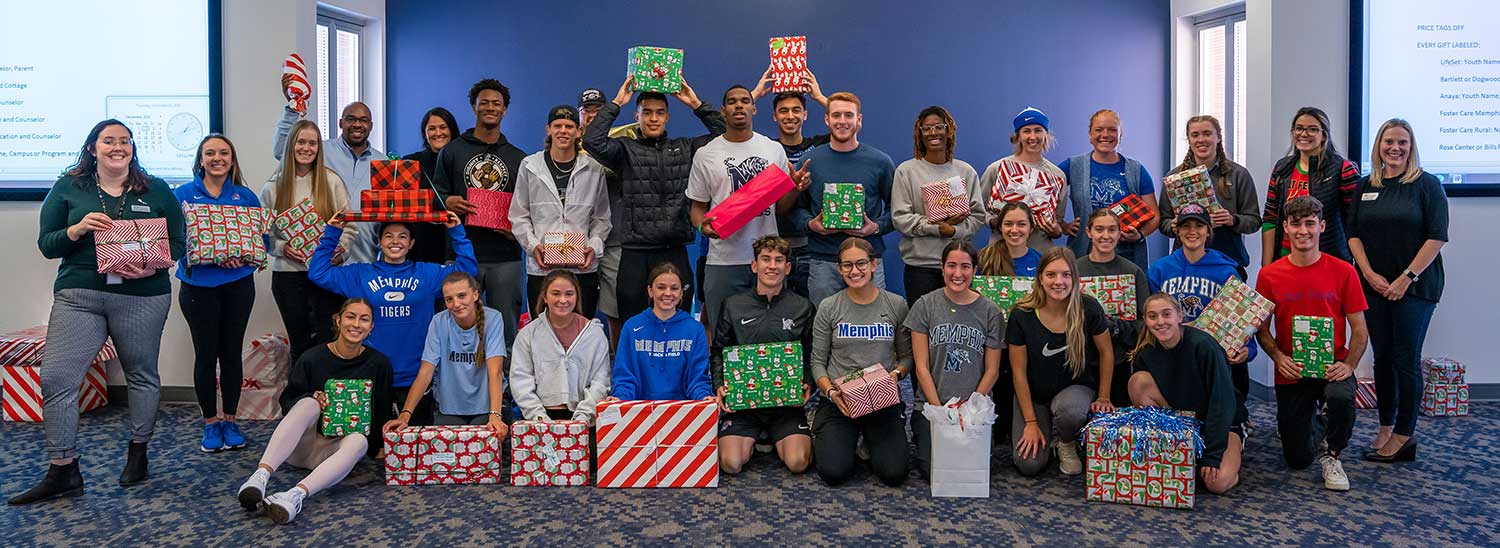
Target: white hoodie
x=542 y=374
x=536 y=210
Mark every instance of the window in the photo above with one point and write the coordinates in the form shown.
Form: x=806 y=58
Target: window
x=338 y=68
x=1221 y=76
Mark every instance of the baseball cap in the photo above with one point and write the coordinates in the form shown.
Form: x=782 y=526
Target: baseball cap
x=590 y=96
x=562 y=112
x=1193 y=212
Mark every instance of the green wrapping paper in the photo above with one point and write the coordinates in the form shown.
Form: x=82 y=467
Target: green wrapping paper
x=843 y=206
x=655 y=69
x=763 y=375
x=1005 y=291
x=1312 y=345
x=348 y=410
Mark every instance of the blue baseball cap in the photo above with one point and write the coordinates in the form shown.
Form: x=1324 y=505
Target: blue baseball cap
x=1028 y=116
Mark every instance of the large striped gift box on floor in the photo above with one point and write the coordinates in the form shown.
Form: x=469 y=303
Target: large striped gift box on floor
x=21 y=376
x=658 y=444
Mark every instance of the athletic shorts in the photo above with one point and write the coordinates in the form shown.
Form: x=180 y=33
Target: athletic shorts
x=778 y=422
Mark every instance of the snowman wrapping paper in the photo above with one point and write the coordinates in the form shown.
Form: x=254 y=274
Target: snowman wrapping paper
x=549 y=453
x=442 y=455
x=348 y=409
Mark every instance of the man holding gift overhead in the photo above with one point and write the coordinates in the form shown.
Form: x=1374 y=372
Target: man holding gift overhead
x=348 y=155
x=1309 y=282
x=789 y=110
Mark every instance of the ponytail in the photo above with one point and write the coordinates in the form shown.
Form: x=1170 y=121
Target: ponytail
x=459 y=276
x=1147 y=338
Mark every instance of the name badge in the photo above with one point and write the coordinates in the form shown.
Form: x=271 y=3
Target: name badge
x=1369 y=196
x=140 y=208
x=113 y=279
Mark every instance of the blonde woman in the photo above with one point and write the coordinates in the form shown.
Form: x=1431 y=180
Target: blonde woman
x=1032 y=139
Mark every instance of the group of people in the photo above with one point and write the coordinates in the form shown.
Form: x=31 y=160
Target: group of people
x=432 y=314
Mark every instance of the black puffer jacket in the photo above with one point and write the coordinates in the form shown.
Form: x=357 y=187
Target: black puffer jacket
x=653 y=178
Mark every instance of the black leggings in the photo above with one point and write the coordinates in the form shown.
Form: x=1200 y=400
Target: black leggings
x=217 y=318
x=306 y=310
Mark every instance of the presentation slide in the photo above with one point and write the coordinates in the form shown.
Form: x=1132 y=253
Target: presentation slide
x=64 y=66
x=1436 y=64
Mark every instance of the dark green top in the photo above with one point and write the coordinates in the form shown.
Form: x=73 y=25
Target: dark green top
x=72 y=198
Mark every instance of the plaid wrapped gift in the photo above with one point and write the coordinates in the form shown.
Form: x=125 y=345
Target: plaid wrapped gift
x=658 y=444
x=549 y=453
x=868 y=390
x=492 y=209
x=1234 y=315
x=218 y=233
x=788 y=62
x=655 y=69
x=1312 y=345
x=843 y=206
x=1038 y=190
x=301 y=226
x=1445 y=399
x=386 y=206
x=1005 y=291
x=442 y=455
x=944 y=199
x=1116 y=293
x=266 y=364
x=1142 y=455
x=348 y=410
x=564 y=249
x=1364 y=394
x=21 y=375
x=1133 y=212
x=395 y=174
x=1442 y=370
x=1191 y=186
x=130 y=242
x=763 y=375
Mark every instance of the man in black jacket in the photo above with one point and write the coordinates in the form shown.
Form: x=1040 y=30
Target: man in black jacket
x=653 y=169
x=768 y=314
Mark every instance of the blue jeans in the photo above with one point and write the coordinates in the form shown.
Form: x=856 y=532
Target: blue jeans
x=824 y=279
x=1397 y=331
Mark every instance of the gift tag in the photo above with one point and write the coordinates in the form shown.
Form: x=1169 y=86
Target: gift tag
x=113 y=279
x=1023 y=284
x=552 y=238
x=130 y=246
x=441 y=458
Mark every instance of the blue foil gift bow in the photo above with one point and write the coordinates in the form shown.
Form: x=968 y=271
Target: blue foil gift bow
x=1156 y=430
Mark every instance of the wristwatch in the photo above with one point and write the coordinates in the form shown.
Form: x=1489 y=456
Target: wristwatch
x=1411 y=275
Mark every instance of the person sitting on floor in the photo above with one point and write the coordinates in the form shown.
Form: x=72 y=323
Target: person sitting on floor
x=560 y=367
x=463 y=358
x=663 y=352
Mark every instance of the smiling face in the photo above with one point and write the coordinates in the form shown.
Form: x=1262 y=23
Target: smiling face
x=843 y=121
x=934 y=133
x=958 y=271
x=1056 y=278
x=652 y=114
x=489 y=108
x=1192 y=234
x=1203 y=140
x=857 y=267
x=790 y=115
x=564 y=134
x=113 y=150
x=355 y=322
x=1015 y=227
x=355 y=124
x=306 y=147
x=438 y=133
x=1164 y=321
x=1104 y=133
x=395 y=242
x=770 y=268
x=1308 y=135
x=461 y=299
x=216 y=158
x=587 y=113
x=1395 y=149
x=560 y=297
x=1032 y=138
x=665 y=292
x=739 y=109
x=1304 y=232
x=1104 y=232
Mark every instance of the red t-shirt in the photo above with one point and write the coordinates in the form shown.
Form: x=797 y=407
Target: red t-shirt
x=1328 y=288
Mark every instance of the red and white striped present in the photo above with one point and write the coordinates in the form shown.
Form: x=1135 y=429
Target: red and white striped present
x=266 y=364
x=1364 y=394
x=944 y=199
x=868 y=390
x=133 y=242
x=1039 y=190
x=21 y=376
x=563 y=248
x=546 y=453
x=441 y=455
x=658 y=444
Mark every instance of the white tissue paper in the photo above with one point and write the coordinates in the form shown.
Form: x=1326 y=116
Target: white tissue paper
x=960 y=457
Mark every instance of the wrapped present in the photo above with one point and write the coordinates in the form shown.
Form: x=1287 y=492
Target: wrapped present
x=868 y=390
x=549 y=453
x=1364 y=394
x=1312 y=345
x=843 y=206
x=1442 y=370
x=749 y=201
x=564 y=249
x=657 y=444
x=1005 y=291
x=218 y=233
x=266 y=364
x=395 y=174
x=141 y=242
x=298 y=90
x=655 y=69
x=944 y=199
x=387 y=206
x=492 y=209
x=442 y=455
x=1142 y=455
x=1038 y=190
x=1445 y=399
x=348 y=409
x=1191 y=186
x=1133 y=212
x=960 y=458
x=301 y=226
x=1234 y=314
x=21 y=376
x=1115 y=293
x=763 y=375
x=788 y=62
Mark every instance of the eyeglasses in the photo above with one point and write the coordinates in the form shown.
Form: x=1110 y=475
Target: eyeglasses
x=357 y=120
x=862 y=265
x=933 y=128
x=1307 y=130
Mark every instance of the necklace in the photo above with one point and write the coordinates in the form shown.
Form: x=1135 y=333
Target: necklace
x=558 y=167
x=119 y=208
x=334 y=347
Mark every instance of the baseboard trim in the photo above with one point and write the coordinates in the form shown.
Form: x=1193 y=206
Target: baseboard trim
x=1488 y=391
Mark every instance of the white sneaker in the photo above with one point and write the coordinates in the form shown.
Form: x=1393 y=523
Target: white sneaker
x=1334 y=477
x=284 y=506
x=1067 y=459
x=252 y=493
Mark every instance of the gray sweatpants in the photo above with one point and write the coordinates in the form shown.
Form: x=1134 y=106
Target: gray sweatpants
x=1059 y=419
x=81 y=319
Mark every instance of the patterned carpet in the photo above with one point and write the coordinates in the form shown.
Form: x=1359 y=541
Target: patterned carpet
x=1446 y=498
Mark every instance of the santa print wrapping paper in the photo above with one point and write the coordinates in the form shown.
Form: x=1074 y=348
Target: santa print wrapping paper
x=563 y=249
x=868 y=390
x=1364 y=394
x=1442 y=370
x=442 y=455
x=1445 y=399
x=266 y=364
x=387 y=206
x=1037 y=189
x=644 y=443
x=1234 y=315
x=301 y=226
x=395 y=174
x=788 y=62
x=348 y=410
x=546 y=453
x=492 y=209
x=218 y=233
x=141 y=242
x=1142 y=456
x=944 y=199
x=655 y=69
x=1191 y=186
x=749 y=201
x=843 y=206
x=1115 y=293
x=1004 y=291
x=1132 y=212
x=1312 y=345
x=763 y=375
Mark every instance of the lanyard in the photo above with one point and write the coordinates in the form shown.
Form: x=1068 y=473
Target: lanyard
x=119 y=209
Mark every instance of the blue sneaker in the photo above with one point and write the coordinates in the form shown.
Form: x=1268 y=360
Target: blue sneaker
x=213 y=438
x=233 y=439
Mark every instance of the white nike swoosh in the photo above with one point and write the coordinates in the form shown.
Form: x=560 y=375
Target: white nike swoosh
x=802 y=427
x=636 y=329
x=747 y=320
x=1050 y=352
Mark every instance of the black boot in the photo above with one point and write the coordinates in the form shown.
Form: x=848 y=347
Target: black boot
x=61 y=481
x=135 y=465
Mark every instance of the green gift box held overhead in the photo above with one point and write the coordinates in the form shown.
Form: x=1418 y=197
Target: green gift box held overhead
x=655 y=69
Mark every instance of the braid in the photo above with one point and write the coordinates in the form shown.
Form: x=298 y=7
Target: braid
x=479 y=357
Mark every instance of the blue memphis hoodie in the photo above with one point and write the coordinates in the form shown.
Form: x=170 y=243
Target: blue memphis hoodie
x=662 y=360
x=1193 y=284
x=401 y=294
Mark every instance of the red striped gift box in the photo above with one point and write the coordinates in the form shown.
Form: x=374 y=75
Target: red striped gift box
x=563 y=249
x=1364 y=394
x=658 y=444
x=868 y=390
x=944 y=199
x=21 y=379
x=137 y=241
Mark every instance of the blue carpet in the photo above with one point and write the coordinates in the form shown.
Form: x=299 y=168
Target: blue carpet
x=1446 y=498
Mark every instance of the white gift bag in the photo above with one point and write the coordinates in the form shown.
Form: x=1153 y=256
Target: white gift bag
x=961 y=446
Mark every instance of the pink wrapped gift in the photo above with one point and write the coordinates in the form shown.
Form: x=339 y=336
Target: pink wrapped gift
x=868 y=390
x=563 y=249
x=266 y=364
x=749 y=201
x=141 y=242
x=493 y=209
x=945 y=199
